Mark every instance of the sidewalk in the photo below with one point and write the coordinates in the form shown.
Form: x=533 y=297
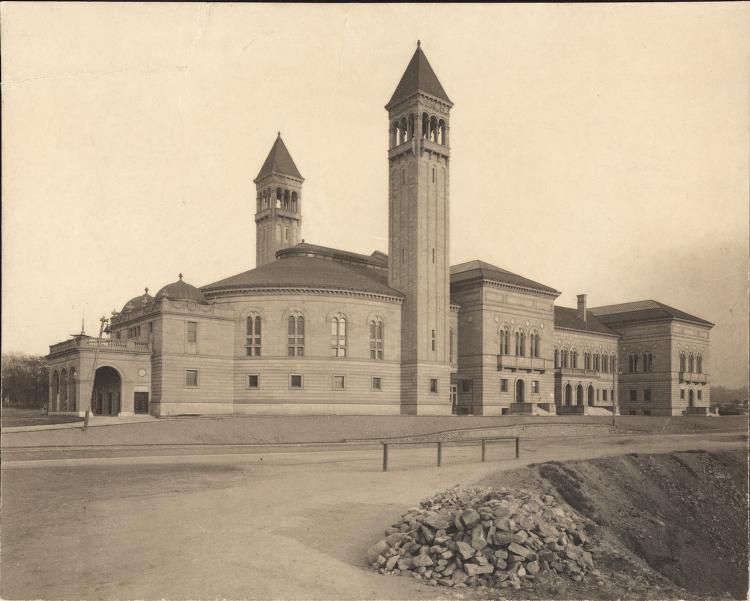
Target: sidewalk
x=94 y=420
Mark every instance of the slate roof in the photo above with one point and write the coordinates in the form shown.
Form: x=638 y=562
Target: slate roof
x=301 y=271
x=568 y=318
x=479 y=270
x=644 y=310
x=138 y=302
x=278 y=161
x=418 y=77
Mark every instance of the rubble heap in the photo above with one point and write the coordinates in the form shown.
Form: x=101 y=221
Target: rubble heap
x=484 y=537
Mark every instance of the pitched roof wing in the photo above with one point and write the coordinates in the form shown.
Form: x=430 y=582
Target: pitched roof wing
x=479 y=270
x=566 y=317
x=644 y=310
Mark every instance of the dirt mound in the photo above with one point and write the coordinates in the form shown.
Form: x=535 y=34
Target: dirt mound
x=677 y=521
x=488 y=537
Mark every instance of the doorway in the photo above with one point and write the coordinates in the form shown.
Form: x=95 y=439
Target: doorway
x=140 y=403
x=107 y=390
x=519 y=391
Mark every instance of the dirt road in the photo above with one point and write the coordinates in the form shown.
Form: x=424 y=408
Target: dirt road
x=241 y=525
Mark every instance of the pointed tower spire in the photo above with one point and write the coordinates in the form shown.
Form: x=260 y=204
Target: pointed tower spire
x=279 y=161
x=418 y=77
x=278 y=213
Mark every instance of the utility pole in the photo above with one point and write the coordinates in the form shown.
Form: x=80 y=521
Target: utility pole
x=102 y=321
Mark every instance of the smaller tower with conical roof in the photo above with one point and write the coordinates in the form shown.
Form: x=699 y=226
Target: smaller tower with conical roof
x=278 y=212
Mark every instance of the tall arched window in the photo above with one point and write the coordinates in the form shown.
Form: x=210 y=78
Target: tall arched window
x=72 y=389
x=691 y=362
x=338 y=336
x=568 y=395
x=252 y=335
x=565 y=358
x=612 y=363
x=557 y=358
x=376 y=338
x=605 y=363
x=699 y=364
x=574 y=359
x=682 y=361
x=520 y=343
x=534 y=343
x=504 y=341
x=294 y=202
x=633 y=362
x=296 y=335
x=586 y=360
x=287 y=200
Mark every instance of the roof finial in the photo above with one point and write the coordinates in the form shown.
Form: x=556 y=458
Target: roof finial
x=180 y=276
x=83 y=329
x=419 y=43
x=146 y=289
x=279 y=133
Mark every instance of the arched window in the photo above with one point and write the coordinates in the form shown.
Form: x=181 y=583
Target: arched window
x=404 y=130
x=605 y=363
x=565 y=358
x=579 y=395
x=252 y=335
x=682 y=361
x=568 y=395
x=534 y=343
x=633 y=362
x=691 y=362
x=699 y=364
x=574 y=359
x=504 y=341
x=296 y=335
x=286 y=200
x=294 y=202
x=520 y=343
x=376 y=338
x=612 y=363
x=591 y=396
x=441 y=128
x=338 y=336
x=72 y=386
x=557 y=358
x=433 y=129
x=411 y=127
x=586 y=360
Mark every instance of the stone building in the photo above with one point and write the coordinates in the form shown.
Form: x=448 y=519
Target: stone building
x=317 y=330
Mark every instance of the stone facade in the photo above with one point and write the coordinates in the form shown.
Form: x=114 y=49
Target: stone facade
x=316 y=330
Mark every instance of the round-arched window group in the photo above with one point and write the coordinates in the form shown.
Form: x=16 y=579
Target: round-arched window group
x=431 y=127
x=64 y=387
x=279 y=198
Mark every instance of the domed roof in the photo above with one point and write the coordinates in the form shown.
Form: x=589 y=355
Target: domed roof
x=138 y=302
x=181 y=290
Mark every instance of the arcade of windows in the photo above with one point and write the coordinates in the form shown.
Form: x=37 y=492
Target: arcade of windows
x=534 y=340
x=591 y=361
x=296 y=336
x=279 y=199
x=693 y=363
x=432 y=128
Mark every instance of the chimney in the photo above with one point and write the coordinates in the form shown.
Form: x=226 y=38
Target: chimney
x=582 y=306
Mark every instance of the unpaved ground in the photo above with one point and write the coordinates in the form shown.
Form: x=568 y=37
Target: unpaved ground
x=295 y=525
x=664 y=525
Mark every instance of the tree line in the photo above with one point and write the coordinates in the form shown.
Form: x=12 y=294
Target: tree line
x=25 y=380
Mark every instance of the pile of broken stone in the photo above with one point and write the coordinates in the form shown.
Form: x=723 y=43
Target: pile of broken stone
x=484 y=537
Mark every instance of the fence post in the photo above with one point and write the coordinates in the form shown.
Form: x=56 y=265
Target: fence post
x=518 y=447
x=484 y=449
x=440 y=453
x=385 y=456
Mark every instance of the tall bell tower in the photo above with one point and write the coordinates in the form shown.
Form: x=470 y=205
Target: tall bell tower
x=418 y=234
x=278 y=212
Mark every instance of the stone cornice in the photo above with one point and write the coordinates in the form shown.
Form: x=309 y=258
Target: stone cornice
x=255 y=291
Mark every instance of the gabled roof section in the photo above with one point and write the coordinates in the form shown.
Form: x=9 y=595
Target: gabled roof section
x=279 y=161
x=479 y=270
x=418 y=77
x=644 y=310
x=570 y=319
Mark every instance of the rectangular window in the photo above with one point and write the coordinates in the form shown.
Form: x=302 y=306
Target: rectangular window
x=535 y=386
x=253 y=381
x=503 y=385
x=434 y=340
x=700 y=395
x=604 y=395
x=633 y=395
x=647 y=394
x=377 y=383
x=192 y=331
x=295 y=381
x=682 y=394
x=338 y=382
x=647 y=412
x=433 y=385
x=191 y=377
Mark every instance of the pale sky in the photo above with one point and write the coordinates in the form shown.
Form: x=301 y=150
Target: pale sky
x=599 y=149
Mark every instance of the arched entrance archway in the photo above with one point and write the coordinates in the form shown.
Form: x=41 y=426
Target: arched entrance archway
x=691 y=398
x=519 y=391
x=579 y=395
x=591 y=396
x=107 y=391
x=568 y=395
